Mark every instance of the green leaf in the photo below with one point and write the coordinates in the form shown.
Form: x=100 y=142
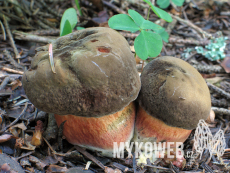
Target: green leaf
x=67 y=29
x=164 y=35
x=69 y=15
x=148 y=44
x=138 y=19
x=178 y=2
x=160 y=13
x=80 y=28
x=123 y=22
x=163 y=3
x=150 y=25
x=141 y=22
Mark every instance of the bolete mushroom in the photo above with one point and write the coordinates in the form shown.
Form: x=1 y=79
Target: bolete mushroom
x=172 y=100
x=93 y=88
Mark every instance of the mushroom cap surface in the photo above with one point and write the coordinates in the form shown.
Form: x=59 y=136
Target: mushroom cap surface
x=95 y=74
x=174 y=92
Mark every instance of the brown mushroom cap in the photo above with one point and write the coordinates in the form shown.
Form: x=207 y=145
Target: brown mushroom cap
x=95 y=74
x=174 y=92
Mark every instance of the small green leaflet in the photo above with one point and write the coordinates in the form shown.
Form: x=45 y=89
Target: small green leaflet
x=141 y=22
x=123 y=22
x=148 y=44
x=68 y=21
x=138 y=19
x=160 y=13
x=164 y=35
x=178 y=2
x=165 y=3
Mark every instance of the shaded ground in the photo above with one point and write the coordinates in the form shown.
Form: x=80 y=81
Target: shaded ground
x=30 y=24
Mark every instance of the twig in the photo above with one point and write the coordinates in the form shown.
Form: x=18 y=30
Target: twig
x=209 y=68
x=225 y=13
x=192 y=55
x=43 y=25
x=16 y=4
x=187 y=22
x=52 y=11
x=121 y=167
x=115 y=8
x=3 y=31
x=134 y=163
x=218 y=90
x=158 y=167
x=1 y=16
x=24 y=155
x=11 y=70
x=171 y=26
x=174 y=168
x=219 y=103
x=12 y=16
x=45 y=21
x=150 y=169
x=75 y=153
x=4 y=82
x=16 y=120
x=47 y=32
x=54 y=152
x=60 y=132
x=11 y=59
x=206 y=167
x=129 y=35
x=28 y=37
x=171 y=39
x=89 y=156
x=11 y=38
x=188 y=41
x=221 y=111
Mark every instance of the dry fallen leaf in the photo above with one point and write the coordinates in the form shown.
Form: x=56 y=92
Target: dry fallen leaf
x=211 y=118
x=6 y=137
x=178 y=162
x=110 y=170
x=19 y=143
x=15 y=84
x=56 y=168
x=37 y=138
x=17 y=128
x=28 y=145
x=226 y=64
x=20 y=126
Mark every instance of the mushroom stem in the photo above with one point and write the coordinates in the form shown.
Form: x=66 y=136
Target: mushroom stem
x=150 y=129
x=99 y=133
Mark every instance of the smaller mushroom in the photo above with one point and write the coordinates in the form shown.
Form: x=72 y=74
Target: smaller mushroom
x=172 y=100
x=93 y=87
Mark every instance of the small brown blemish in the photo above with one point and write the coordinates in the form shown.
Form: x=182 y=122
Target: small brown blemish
x=104 y=49
x=94 y=40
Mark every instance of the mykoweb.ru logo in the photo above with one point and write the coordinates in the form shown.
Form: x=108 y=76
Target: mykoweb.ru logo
x=148 y=149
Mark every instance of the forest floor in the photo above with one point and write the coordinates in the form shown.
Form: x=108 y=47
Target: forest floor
x=27 y=25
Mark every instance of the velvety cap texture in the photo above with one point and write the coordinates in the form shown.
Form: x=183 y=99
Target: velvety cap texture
x=95 y=74
x=173 y=91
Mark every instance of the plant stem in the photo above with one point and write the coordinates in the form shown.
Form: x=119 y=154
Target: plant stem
x=148 y=13
x=78 y=7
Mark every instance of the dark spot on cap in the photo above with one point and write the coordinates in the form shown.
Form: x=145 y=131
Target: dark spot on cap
x=104 y=49
x=94 y=40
